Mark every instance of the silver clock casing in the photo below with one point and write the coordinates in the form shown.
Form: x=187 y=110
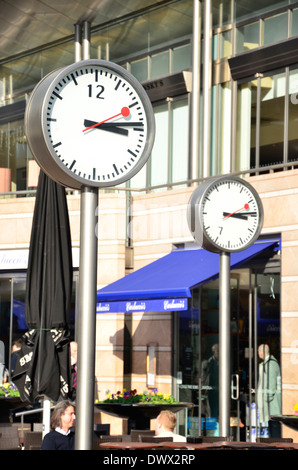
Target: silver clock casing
x=196 y=222
x=40 y=143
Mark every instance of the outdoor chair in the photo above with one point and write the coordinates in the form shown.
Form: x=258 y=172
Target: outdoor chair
x=32 y=438
x=10 y=429
x=96 y=442
x=101 y=429
x=217 y=439
x=194 y=439
x=110 y=439
x=155 y=439
x=274 y=439
x=135 y=434
x=9 y=438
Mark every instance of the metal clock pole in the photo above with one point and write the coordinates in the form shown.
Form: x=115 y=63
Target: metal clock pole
x=87 y=310
x=86 y=320
x=224 y=344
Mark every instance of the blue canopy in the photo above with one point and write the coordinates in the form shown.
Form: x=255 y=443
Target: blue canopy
x=166 y=283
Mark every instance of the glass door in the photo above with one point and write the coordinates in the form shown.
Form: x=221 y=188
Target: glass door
x=254 y=321
x=18 y=322
x=258 y=328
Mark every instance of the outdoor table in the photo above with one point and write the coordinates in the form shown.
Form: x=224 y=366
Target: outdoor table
x=227 y=445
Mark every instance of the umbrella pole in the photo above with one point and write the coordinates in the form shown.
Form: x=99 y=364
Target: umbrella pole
x=46 y=416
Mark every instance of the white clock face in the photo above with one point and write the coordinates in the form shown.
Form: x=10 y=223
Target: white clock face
x=96 y=121
x=231 y=214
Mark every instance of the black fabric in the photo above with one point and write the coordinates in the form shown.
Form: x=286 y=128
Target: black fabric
x=43 y=367
x=54 y=440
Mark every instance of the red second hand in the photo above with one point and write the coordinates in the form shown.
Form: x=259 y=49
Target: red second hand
x=124 y=112
x=246 y=206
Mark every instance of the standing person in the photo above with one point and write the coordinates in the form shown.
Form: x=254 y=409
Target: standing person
x=165 y=425
x=269 y=391
x=61 y=437
x=210 y=383
x=16 y=347
x=3 y=370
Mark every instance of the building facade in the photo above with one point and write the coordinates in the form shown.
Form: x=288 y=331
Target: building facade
x=224 y=85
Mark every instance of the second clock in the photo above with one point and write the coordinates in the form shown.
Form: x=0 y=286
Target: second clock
x=225 y=214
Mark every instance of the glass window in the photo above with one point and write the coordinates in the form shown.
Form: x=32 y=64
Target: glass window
x=293 y=116
x=143 y=33
x=275 y=28
x=19 y=325
x=245 y=10
x=5 y=301
x=260 y=126
x=139 y=68
x=247 y=37
x=139 y=181
x=159 y=65
x=181 y=58
x=19 y=77
x=179 y=161
x=226 y=44
x=160 y=152
x=14 y=155
x=12 y=312
x=272 y=119
x=294 y=22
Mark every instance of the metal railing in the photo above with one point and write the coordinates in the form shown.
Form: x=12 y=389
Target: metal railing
x=22 y=414
x=257 y=171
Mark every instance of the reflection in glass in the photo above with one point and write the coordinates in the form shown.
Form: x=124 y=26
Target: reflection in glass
x=14 y=154
x=293 y=116
x=247 y=37
x=159 y=157
x=272 y=119
x=5 y=301
x=261 y=122
x=275 y=28
x=179 y=139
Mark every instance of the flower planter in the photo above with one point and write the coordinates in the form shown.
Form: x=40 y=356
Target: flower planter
x=139 y=414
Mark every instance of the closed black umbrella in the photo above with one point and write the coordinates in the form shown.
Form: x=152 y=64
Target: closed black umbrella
x=43 y=367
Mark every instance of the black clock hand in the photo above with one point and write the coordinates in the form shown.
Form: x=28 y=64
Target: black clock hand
x=105 y=127
x=237 y=216
x=240 y=216
x=124 y=124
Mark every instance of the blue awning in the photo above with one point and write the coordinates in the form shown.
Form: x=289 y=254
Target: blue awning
x=166 y=283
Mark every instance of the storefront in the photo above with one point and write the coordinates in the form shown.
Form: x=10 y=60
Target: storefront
x=13 y=273
x=185 y=283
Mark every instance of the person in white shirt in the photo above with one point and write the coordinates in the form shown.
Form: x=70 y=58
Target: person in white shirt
x=165 y=425
x=61 y=436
